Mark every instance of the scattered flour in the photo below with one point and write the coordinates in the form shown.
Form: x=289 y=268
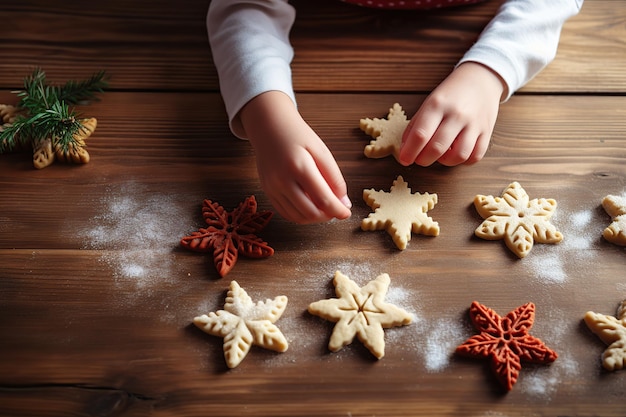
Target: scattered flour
x=577 y=234
x=359 y=272
x=550 y=264
x=136 y=235
x=545 y=266
x=436 y=340
x=542 y=382
x=401 y=297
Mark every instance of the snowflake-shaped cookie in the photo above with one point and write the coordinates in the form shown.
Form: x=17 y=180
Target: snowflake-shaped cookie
x=360 y=312
x=612 y=331
x=400 y=212
x=615 y=207
x=230 y=233
x=387 y=133
x=506 y=341
x=243 y=323
x=517 y=219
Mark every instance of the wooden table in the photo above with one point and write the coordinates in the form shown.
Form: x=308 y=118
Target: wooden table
x=97 y=298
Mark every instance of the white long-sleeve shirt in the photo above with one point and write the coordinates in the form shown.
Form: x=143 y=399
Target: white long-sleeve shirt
x=251 y=50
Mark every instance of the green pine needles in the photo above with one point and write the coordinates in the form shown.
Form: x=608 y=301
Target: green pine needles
x=44 y=111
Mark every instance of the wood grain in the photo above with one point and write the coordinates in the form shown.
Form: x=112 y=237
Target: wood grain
x=163 y=46
x=97 y=297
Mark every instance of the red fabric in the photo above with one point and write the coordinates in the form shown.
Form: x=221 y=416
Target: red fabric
x=410 y=4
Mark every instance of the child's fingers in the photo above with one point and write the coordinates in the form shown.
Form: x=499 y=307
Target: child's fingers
x=418 y=133
x=463 y=149
x=293 y=205
x=331 y=173
x=441 y=142
x=482 y=145
x=305 y=197
x=323 y=197
x=286 y=211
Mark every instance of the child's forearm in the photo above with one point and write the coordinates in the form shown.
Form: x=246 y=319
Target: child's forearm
x=522 y=39
x=265 y=115
x=250 y=45
x=478 y=70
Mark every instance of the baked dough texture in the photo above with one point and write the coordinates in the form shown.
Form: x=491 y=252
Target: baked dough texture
x=387 y=133
x=506 y=341
x=243 y=323
x=615 y=207
x=400 y=212
x=361 y=312
x=518 y=220
x=612 y=331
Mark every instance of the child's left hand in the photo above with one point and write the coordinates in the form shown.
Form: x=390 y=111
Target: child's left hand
x=454 y=124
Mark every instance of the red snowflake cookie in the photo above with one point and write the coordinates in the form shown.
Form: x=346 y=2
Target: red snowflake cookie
x=506 y=341
x=230 y=233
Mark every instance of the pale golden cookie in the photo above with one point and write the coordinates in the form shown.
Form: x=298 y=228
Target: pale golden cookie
x=612 y=331
x=243 y=323
x=516 y=219
x=615 y=207
x=360 y=312
x=387 y=133
x=46 y=151
x=76 y=151
x=42 y=153
x=400 y=212
x=9 y=113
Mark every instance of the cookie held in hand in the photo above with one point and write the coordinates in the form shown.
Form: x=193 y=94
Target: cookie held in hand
x=387 y=133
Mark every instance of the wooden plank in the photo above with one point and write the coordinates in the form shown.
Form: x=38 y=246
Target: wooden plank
x=343 y=48
x=141 y=44
x=97 y=298
x=338 y=47
x=592 y=55
x=370 y=50
x=195 y=152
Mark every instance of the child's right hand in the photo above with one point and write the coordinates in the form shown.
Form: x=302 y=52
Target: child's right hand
x=455 y=122
x=297 y=171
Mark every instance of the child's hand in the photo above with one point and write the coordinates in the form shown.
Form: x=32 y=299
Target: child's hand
x=296 y=169
x=455 y=122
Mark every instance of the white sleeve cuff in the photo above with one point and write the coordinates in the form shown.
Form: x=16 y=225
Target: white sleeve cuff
x=251 y=51
x=522 y=39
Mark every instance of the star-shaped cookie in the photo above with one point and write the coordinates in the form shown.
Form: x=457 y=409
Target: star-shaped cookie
x=506 y=341
x=360 y=312
x=243 y=323
x=516 y=219
x=616 y=208
x=400 y=212
x=612 y=331
x=230 y=233
x=387 y=133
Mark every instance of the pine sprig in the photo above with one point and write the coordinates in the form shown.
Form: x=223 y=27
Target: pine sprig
x=46 y=113
x=74 y=92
